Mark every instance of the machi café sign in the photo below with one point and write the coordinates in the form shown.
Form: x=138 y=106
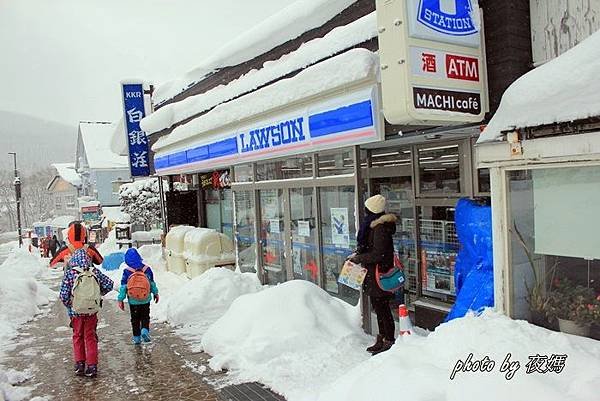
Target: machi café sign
x=432 y=67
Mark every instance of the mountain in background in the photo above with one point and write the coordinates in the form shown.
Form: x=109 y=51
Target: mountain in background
x=37 y=142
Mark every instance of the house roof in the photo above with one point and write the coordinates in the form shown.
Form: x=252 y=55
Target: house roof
x=565 y=89
x=67 y=172
x=287 y=24
x=97 y=138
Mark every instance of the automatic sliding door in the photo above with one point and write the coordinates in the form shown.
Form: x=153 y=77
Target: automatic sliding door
x=304 y=234
x=272 y=235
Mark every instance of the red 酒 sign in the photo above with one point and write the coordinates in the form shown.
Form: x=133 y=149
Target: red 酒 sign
x=462 y=67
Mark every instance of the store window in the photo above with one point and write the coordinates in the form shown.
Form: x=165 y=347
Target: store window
x=389 y=157
x=243 y=173
x=439 y=248
x=292 y=167
x=439 y=170
x=336 y=163
x=304 y=234
x=555 y=247
x=245 y=235
x=219 y=210
x=338 y=234
x=272 y=235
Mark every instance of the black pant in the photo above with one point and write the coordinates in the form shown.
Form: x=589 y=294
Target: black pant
x=140 y=318
x=385 y=320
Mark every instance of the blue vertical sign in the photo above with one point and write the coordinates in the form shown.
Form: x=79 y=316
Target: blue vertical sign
x=139 y=151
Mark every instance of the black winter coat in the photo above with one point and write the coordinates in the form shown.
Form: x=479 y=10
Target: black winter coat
x=379 y=251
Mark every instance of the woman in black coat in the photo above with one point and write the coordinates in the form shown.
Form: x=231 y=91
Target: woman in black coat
x=376 y=248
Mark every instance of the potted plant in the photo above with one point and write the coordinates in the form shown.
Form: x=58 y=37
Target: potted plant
x=538 y=286
x=574 y=306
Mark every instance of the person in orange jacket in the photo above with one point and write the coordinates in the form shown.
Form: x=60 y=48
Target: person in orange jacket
x=76 y=239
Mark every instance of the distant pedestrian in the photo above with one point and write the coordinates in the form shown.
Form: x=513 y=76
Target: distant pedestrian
x=376 y=251
x=53 y=245
x=81 y=292
x=137 y=284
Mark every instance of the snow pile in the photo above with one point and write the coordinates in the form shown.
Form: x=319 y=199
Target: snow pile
x=351 y=66
x=62 y=221
x=339 y=39
x=289 y=23
x=293 y=337
x=109 y=245
x=115 y=214
x=562 y=90
x=67 y=172
x=419 y=368
x=22 y=294
x=147 y=236
x=203 y=300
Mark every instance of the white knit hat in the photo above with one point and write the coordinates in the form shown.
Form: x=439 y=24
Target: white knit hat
x=376 y=204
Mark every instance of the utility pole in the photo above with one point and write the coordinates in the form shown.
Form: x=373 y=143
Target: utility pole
x=18 y=197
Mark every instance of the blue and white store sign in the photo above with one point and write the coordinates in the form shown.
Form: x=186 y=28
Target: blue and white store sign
x=343 y=121
x=449 y=21
x=134 y=111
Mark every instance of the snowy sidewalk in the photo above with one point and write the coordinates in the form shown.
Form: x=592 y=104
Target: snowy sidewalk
x=162 y=370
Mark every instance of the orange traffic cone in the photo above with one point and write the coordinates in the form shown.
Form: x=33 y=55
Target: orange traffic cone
x=404 y=321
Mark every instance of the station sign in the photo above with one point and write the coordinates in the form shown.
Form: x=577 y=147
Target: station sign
x=432 y=66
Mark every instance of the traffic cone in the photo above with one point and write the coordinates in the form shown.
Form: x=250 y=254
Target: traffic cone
x=404 y=321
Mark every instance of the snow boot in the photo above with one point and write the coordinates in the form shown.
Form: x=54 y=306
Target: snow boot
x=136 y=340
x=79 y=368
x=146 y=335
x=91 y=371
x=377 y=345
x=387 y=344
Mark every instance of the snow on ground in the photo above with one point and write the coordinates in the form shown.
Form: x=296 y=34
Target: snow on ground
x=419 y=368
x=204 y=299
x=23 y=294
x=293 y=337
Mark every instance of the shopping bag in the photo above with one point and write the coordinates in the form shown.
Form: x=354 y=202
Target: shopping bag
x=352 y=275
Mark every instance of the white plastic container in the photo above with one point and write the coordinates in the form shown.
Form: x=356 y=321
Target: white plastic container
x=206 y=248
x=174 y=248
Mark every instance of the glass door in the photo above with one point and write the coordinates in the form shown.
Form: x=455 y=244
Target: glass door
x=272 y=234
x=305 y=264
x=338 y=233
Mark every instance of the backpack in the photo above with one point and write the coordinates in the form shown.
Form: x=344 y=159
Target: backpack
x=138 y=284
x=86 y=293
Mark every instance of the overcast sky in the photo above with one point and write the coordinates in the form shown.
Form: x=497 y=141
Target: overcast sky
x=62 y=60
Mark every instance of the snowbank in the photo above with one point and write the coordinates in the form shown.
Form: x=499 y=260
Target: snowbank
x=203 y=300
x=289 y=23
x=562 y=90
x=22 y=293
x=336 y=41
x=293 y=337
x=419 y=368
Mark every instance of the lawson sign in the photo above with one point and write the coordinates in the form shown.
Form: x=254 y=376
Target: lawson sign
x=335 y=124
x=449 y=21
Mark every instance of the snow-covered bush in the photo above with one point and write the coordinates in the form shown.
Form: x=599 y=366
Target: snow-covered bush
x=141 y=200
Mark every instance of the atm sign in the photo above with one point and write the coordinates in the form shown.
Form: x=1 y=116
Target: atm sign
x=462 y=67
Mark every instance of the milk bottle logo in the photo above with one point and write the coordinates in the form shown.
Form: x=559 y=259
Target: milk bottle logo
x=450 y=17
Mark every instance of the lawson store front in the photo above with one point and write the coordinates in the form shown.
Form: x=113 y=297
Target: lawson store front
x=299 y=177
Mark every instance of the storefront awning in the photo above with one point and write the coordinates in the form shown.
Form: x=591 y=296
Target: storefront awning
x=562 y=90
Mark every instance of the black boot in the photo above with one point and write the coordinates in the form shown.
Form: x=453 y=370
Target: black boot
x=377 y=345
x=387 y=344
x=79 y=368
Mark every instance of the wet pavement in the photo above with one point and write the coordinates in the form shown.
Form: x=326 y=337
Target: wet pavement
x=165 y=369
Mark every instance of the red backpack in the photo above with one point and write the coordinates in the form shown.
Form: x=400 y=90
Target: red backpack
x=138 y=285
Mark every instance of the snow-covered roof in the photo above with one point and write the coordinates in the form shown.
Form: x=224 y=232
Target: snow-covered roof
x=97 y=137
x=562 y=90
x=339 y=39
x=287 y=24
x=118 y=143
x=352 y=66
x=67 y=172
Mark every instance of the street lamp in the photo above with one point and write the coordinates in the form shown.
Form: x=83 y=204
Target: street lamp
x=18 y=197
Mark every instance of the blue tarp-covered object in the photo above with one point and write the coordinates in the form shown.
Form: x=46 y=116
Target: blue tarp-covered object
x=113 y=261
x=474 y=272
